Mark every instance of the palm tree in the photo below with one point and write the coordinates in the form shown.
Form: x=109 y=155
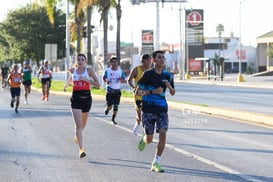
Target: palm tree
x=79 y=17
x=219 y=29
x=118 y=9
x=104 y=6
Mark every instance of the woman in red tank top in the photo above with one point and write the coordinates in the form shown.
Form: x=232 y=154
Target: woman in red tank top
x=82 y=77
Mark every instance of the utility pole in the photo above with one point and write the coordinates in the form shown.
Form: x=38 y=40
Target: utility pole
x=67 y=40
x=240 y=77
x=157 y=31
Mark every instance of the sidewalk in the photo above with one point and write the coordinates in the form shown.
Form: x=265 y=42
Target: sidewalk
x=231 y=80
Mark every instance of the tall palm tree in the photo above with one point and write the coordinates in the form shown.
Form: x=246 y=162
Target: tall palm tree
x=220 y=29
x=88 y=4
x=79 y=17
x=118 y=9
x=104 y=6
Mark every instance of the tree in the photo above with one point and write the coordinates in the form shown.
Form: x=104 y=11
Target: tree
x=118 y=9
x=24 y=36
x=220 y=29
x=103 y=5
x=79 y=19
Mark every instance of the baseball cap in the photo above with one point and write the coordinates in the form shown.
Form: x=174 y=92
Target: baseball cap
x=145 y=56
x=45 y=60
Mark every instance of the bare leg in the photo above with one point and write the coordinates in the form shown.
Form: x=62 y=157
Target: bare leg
x=43 y=90
x=161 y=142
x=84 y=118
x=138 y=116
x=26 y=92
x=78 y=119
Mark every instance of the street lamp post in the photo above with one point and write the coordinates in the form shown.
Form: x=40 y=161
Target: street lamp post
x=67 y=40
x=182 y=47
x=240 y=77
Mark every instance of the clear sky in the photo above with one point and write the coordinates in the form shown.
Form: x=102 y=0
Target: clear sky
x=256 y=18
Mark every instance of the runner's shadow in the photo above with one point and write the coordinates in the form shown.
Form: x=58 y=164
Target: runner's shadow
x=172 y=170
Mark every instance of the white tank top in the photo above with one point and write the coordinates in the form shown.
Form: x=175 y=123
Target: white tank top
x=80 y=84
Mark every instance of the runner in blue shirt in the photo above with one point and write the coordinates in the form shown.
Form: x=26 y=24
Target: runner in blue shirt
x=152 y=86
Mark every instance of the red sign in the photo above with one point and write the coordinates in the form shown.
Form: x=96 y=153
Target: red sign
x=195 y=65
x=194 y=18
x=243 y=54
x=147 y=38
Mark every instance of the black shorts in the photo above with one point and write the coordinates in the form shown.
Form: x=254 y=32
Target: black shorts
x=15 y=92
x=44 y=80
x=138 y=104
x=27 y=82
x=113 y=98
x=81 y=103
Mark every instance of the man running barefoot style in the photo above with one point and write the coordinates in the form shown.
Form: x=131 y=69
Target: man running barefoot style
x=152 y=86
x=135 y=76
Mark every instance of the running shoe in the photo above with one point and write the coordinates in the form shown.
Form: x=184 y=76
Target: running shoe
x=16 y=110
x=113 y=121
x=11 y=104
x=26 y=102
x=106 y=111
x=156 y=167
x=43 y=97
x=141 y=144
x=82 y=154
x=135 y=129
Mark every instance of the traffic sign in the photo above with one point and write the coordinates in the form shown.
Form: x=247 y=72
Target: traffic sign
x=194 y=18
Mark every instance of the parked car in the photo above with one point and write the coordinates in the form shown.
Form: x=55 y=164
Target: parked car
x=235 y=69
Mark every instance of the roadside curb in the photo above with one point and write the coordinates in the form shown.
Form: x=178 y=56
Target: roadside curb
x=233 y=84
x=257 y=118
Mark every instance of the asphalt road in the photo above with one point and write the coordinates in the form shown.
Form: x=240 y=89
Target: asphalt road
x=248 y=99
x=37 y=145
x=258 y=100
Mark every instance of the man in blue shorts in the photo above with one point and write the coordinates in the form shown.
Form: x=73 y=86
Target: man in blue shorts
x=152 y=86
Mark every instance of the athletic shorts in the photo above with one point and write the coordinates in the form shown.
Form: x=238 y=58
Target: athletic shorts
x=27 y=82
x=81 y=103
x=44 y=80
x=15 y=91
x=152 y=120
x=138 y=104
x=113 y=98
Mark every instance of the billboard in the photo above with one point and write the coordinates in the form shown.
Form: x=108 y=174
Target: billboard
x=194 y=35
x=147 y=41
x=195 y=65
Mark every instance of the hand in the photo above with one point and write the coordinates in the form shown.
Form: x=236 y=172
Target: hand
x=167 y=83
x=158 y=90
